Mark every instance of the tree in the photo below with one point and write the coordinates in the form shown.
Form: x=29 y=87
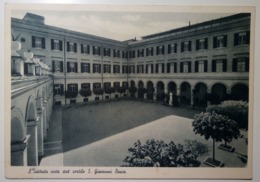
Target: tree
x=132 y=91
x=150 y=91
x=141 y=92
x=121 y=90
x=110 y=90
x=98 y=91
x=71 y=94
x=85 y=93
x=215 y=126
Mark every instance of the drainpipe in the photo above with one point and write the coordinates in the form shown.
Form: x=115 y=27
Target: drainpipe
x=102 y=70
x=65 y=70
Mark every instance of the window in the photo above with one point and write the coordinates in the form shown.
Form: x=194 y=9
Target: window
x=172 y=48
x=56 y=45
x=241 y=38
x=116 y=53
x=220 y=41
x=159 y=68
x=107 y=85
x=96 y=68
x=96 y=86
x=149 y=68
x=186 y=46
x=125 y=85
x=149 y=51
x=38 y=42
x=116 y=85
x=107 y=68
x=116 y=69
x=124 y=68
x=85 y=49
x=37 y=70
x=124 y=54
x=85 y=68
x=140 y=69
x=57 y=66
x=28 y=69
x=219 y=65
x=96 y=50
x=132 y=54
x=132 y=69
x=107 y=52
x=71 y=47
x=85 y=86
x=73 y=87
x=160 y=50
x=140 y=53
x=241 y=64
x=201 y=66
x=185 y=67
x=72 y=67
x=58 y=89
x=202 y=44
x=171 y=67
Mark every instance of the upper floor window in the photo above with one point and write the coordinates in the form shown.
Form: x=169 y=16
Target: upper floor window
x=73 y=87
x=125 y=85
x=107 y=85
x=241 y=64
x=124 y=67
x=140 y=68
x=132 y=69
x=116 y=53
x=172 y=48
x=132 y=54
x=71 y=47
x=185 y=67
x=242 y=38
x=149 y=68
x=58 y=89
x=202 y=44
x=38 y=42
x=116 y=68
x=56 y=45
x=159 y=68
x=124 y=54
x=201 y=66
x=107 y=52
x=219 y=65
x=96 y=86
x=72 y=67
x=171 y=67
x=85 y=86
x=116 y=85
x=57 y=66
x=149 y=51
x=107 y=68
x=220 y=41
x=96 y=68
x=140 y=53
x=85 y=49
x=85 y=68
x=186 y=46
x=96 y=50
x=160 y=50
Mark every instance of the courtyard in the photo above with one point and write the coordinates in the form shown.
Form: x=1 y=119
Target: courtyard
x=100 y=134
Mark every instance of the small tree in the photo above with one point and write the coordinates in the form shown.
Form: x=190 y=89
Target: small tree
x=98 y=91
x=215 y=126
x=121 y=90
x=71 y=94
x=110 y=90
x=132 y=91
x=141 y=92
x=85 y=93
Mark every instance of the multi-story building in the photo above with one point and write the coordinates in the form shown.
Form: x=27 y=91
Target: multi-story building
x=209 y=57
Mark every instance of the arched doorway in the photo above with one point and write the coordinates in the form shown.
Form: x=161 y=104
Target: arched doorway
x=218 y=93
x=132 y=83
x=185 y=93
x=150 y=90
x=239 y=92
x=140 y=89
x=160 y=91
x=200 y=94
x=172 y=87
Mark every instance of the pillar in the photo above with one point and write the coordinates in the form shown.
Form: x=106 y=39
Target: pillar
x=155 y=94
x=40 y=127
x=145 y=95
x=170 y=99
x=44 y=121
x=32 y=152
x=19 y=153
x=191 y=96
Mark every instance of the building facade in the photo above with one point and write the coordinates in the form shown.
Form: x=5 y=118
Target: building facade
x=190 y=62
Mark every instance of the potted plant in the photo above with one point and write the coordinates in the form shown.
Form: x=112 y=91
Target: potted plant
x=121 y=90
x=71 y=95
x=85 y=93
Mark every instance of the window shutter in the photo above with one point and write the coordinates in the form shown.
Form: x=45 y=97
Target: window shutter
x=169 y=48
x=146 y=51
x=152 y=68
x=162 y=67
x=99 y=53
x=76 y=67
x=196 y=66
x=81 y=48
x=189 y=65
x=175 y=48
x=43 y=43
x=175 y=67
x=234 y=66
x=163 y=49
x=81 y=67
x=68 y=67
x=68 y=47
x=60 y=44
x=52 y=44
x=26 y=68
x=181 y=70
x=76 y=87
x=189 y=45
x=213 y=65
x=146 y=68
x=53 y=68
x=61 y=89
x=235 y=39
x=61 y=66
x=247 y=64
x=157 y=50
x=152 y=51
x=206 y=43
x=197 y=44
x=248 y=37
x=182 y=46
x=75 y=47
x=156 y=68
x=214 y=42
x=33 y=41
x=225 y=40
x=205 y=66
x=224 y=65
x=168 y=67
x=133 y=69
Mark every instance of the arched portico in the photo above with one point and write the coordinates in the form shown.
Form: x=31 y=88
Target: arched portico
x=160 y=91
x=218 y=92
x=240 y=92
x=185 y=93
x=150 y=90
x=199 y=94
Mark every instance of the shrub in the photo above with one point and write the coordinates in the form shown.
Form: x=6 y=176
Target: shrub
x=121 y=90
x=71 y=94
x=132 y=91
x=235 y=110
x=85 y=92
x=98 y=91
x=160 y=154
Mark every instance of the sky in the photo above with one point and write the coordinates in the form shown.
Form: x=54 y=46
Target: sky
x=119 y=25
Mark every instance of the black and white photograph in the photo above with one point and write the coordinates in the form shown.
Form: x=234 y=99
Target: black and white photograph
x=129 y=92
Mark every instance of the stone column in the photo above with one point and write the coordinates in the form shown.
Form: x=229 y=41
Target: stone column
x=191 y=97
x=145 y=95
x=32 y=152
x=44 y=121
x=155 y=94
x=170 y=99
x=19 y=153
x=40 y=126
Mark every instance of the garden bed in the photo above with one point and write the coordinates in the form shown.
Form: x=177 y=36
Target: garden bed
x=226 y=147
x=213 y=163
